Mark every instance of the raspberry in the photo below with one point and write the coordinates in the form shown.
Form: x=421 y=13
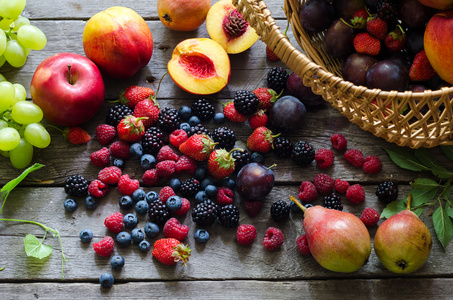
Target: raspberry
x=167 y=153
x=177 y=137
x=100 y=158
x=114 y=222
x=341 y=186
x=186 y=164
x=104 y=247
x=184 y=208
x=370 y=217
x=165 y=168
x=245 y=234
x=355 y=194
x=324 y=158
x=273 y=238
x=372 y=164
x=354 y=157
x=338 y=141
x=307 y=191
x=165 y=193
x=224 y=196
x=253 y=208
x=120 y=149
x=302 y=245
x=105 y=133
x=150 y=177
x=323 y=183
x=176 y=230
x=98 y=188
x=110 y=175
x=127 y=186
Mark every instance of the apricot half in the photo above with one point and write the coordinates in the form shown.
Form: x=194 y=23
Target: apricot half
x=227 y=27
x=200 y=66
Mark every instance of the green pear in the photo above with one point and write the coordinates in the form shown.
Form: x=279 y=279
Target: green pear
x=338 y=240
x=403 y=242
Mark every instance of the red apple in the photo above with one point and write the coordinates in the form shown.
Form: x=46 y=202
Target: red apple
x=69 y=89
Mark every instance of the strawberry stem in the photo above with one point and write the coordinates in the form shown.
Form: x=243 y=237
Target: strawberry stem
x=55 y=127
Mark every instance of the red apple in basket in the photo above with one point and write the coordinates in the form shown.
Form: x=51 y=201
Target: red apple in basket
x=69 y=89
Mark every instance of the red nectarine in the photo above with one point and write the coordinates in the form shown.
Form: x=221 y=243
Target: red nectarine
x=183 y=15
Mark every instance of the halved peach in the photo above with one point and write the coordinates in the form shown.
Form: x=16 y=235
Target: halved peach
x=200 y=66
x=227 y=27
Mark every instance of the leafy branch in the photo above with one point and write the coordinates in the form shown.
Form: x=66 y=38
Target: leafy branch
x=33 y=246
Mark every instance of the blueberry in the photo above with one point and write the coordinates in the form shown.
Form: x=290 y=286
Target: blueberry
x=117 y=262
x=124 y=239
x=185 y=112
x=211 y=190
x=201 y=173
x=174 y=203
x=137 y=235
x=86 y=235
x=106 y=280
x=147 y=161
x=91 y=202
x=200 y=197
x=70 y=205
x=141 y=207
x=144 y=246
x=151 y=197
x=294 y=207
x=138 y=194
x=130 y=220
x=185 y=126
x=308 y=205
x=175 y=184
x=207 y=181
x=118 y=162
x=229 y=183
x=219 y=118
x=201 y=235
x=257 y=157
x=126 y=202
x=136 y=150
x=194 y=120
x=151 y=229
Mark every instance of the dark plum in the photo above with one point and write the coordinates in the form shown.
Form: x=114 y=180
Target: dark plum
x=339 y=39
x=388 y=75
x=287 y=114
x=346 y=8
x=356 y=67
x=414 y=14
x=402 y=58
x=414 y=42
x=316 y=15
x=254 y=182
x=295 y=87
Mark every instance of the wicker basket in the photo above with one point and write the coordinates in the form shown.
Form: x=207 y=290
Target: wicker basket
x=426 y=121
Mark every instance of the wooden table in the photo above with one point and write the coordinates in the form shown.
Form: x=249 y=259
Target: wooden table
x=221 y=268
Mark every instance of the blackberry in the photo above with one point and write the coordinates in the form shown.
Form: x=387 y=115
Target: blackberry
x=282 y=146
x=225 y=137
x=198 y=129
x=280 y=211
x=205 y=213
x=76 y=185
x=229 y=216
x=303 y=153
x=158 y=212
x=190 y=187
x=242 y=157
x=276 y=79
x=169 y=119
x=387 y=191
x=246 y=102
x=152 y=140
x=387 y=10
x=332 y=201
x=117 y=113
x=203 y=109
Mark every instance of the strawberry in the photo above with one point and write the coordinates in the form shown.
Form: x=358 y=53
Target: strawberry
x=76 y=135
x=367 y=44
x=421 y=69
x=267 y=97
x=359 y=18
x=221 y=163
x=258 y=119
x=134 y=94
x=395 y=40
x=261 y=140
x=198 y=147
x=169 y=251
x=376 y=27
x=271 y=55
x=131 y=129
x=105 y=133
x=147 y=108
x=232 y=114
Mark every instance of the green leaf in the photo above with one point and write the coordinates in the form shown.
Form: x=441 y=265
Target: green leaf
x=441 y=172
x=420 y=197
x=443 y=226
x=405 y=159
x=418 y=211
x=35 y=248
x=448 y=151
x=449 y=210
x=446 y=192
x=424 y=156
x=13 y=183
x=393 y=208
x=425 y=184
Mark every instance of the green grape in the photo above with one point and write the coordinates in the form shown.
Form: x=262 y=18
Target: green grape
x=9 y=139
x=2 y=42
x=5 y=23
x=7 y=93
x=31 y=37
x=21 y=93
x=11 y=8
x=2 y=78
x=15 y=54
x=37 y=135
x=22 y=155
x=19 y=22
x=4 y=153
x=3 y=124
x=2 y=62
x=26 y=112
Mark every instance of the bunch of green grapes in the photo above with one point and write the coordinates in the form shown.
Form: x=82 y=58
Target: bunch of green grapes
x=20 y=127
x=17 y=36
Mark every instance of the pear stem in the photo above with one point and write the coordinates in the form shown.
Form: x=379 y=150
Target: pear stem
x=303 y=208
x=408 y=204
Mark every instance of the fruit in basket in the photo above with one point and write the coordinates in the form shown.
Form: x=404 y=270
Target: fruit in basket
x=69 y=89
x=388 y=75
x=119 y=41
x=339 y=39
x=414 y=13
x=254 y=182
x=438 y=4
x=287 y=114
x=183 y=15
x=346 y=8
x=200 y=66
x=316 y=15
x=296 y=88
x=226 y=26
x=356 y=67
x=438 y=42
